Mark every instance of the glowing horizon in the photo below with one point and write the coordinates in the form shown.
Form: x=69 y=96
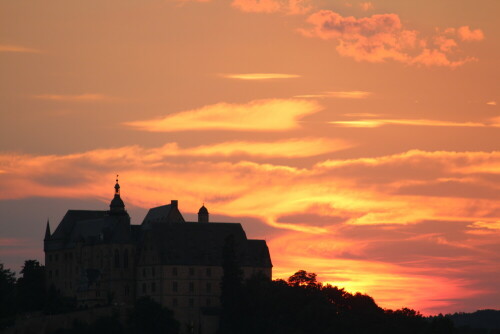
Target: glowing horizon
x=360 y=140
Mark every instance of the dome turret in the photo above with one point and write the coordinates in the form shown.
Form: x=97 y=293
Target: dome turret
x=117 y=206
x=203 y=214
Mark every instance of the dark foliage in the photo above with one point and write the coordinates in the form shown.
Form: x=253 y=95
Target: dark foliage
x=7 y=297
x=482 y=321
x=55 y=303
x=149 y=317
x=303 y=305
x=31 y=287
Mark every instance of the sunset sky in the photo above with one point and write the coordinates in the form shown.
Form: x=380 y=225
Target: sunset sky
x=360 y=139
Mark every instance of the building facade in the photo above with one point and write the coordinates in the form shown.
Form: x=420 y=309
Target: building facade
x=99 y=258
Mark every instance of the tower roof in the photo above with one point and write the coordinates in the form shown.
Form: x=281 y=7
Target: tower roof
x=203 y=210
x=117 y=206
x=47 y=231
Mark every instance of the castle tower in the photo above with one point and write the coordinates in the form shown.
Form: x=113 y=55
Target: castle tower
x=203 y=215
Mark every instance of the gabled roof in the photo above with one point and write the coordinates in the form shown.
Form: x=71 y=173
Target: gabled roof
x=203 y=244
x=71 y=218
x=163 y=214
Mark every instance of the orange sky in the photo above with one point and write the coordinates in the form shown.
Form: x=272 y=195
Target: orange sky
x=361 y=139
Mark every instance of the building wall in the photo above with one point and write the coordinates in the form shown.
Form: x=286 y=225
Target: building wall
x=186 y=290
x=115 y=262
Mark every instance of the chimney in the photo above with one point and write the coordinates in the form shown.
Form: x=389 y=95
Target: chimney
x=174 y=203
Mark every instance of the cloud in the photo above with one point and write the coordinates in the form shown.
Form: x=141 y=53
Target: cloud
x=486 y=225
x=366 y=6
x=288 y=148
x=383 y=37
x=339 y=95
x=290 y=7
x=466 y=34
x=260 y=76
x=18 y=49
x=492 y=103
x=72 y=98
x=259 y=115
x=375 y=123
x=320 y=211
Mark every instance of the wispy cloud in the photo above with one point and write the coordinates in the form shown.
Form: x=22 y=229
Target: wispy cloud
x=258 y=115
x=260 y=76
x=288 y=148
x=18 y=49
x=73 y=98
x=290 y=7
x=366 y=6
x=356 y=94
x=375 y=123
x=492 y=103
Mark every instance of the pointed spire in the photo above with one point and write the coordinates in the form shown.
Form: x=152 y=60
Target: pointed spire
x=47 y=231
x=117 y=206
x=117 y=186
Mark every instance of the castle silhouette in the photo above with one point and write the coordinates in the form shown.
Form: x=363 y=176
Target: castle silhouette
x=99 y=258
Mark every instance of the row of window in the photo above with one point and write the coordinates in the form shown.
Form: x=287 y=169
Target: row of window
x=175 y=302
x=175 y=287
x=175 y=272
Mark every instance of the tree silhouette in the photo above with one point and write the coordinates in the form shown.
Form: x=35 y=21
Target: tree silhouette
x=149 y=317
x=7 y=297
x=31 y=286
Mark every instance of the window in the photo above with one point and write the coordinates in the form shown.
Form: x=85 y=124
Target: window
x=50 y=257
x=174 y=286
x=127 y=290
x=125 y=259
x=191 y=287
x=153 y=287
x=117 y=259
x=50 y=273
x=174 y=271
x=209 y=272
x=191 y=271
x=209 y=287
x=144 y=289
x=57 y=257
x=143 y=272
x=191 y=302
x=174 y=302
x=57 y=272
x=209 y=302
x=153 y=272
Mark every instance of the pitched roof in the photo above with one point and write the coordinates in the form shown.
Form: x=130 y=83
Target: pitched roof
x=203 y=243
x=71 y=217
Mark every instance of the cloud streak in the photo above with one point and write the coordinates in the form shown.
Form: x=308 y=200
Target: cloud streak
x=17 y=49
x=355 y=94
x=260 y=76
x=73 y=98
x=375 y=123
x=289 y=7
x=259 y=115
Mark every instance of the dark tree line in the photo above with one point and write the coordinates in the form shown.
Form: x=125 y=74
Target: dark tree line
x=303 y=305
x=146 y=317
x=22 y=295
x=298 y=305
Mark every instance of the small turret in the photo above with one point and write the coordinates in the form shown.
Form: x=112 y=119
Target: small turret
x=47 y=232
x=117 y=206
x=203 y=214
